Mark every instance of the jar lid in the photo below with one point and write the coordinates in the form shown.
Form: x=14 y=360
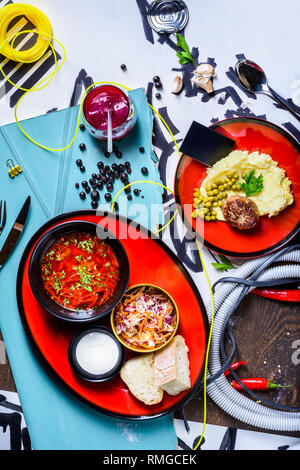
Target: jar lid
x=165 y=16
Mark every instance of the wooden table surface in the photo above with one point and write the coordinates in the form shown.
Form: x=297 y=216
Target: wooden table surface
x=265 y=331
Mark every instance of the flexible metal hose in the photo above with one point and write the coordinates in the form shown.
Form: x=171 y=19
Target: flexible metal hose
x=226 y=300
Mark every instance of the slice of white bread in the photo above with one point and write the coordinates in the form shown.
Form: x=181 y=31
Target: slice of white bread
x=138 y=374
x=178 y=361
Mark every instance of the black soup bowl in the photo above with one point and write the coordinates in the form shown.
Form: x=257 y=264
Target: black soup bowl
x=36 y=280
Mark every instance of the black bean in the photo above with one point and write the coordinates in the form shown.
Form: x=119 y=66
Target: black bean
x=156 y=79
x=92 y=181
x=79 y=162
x=87 y=189
x=127 y=164
x=114 y=166
x=111 y=179
x=106 y=154
x=95 y=195
x=100 y=165
x=82 y=169
x=82 y=127
x=128 y=170
x=94 y=204
x=116 y=174
x=77 y=185
x=123 y=66
x=142 y=150
x=94 y=175
x=100 y=185
x=119 y=154
x=82 y=195
x=98 y=177
x=121 y=167
x=129 y=197
x=136 y=192
x=107 y=197
x=102 y=171
x=127 y=190
x=109 y=187
x=82 y=146
x=158 y=96
x=158 y=85
x=144 y=170
x=84 y=184
x=104 y=179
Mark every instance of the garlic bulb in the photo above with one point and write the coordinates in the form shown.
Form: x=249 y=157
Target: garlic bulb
x=177 y=84
x=202 y=77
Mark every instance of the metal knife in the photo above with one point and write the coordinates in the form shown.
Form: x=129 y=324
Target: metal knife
x=15 y=232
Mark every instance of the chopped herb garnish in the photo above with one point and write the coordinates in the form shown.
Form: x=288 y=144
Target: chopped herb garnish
x=252 y=184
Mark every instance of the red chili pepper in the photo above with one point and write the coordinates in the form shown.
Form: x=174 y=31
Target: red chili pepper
x=257 y=383
x=234 y=366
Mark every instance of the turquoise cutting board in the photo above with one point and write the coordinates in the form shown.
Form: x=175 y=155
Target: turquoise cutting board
x=55 y=419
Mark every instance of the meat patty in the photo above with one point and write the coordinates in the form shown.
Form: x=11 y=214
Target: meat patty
x=240 y=212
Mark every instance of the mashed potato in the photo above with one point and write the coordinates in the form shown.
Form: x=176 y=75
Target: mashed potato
x=276 y=194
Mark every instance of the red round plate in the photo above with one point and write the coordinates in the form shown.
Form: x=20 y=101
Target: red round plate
x=151 y=261
x=250 y=134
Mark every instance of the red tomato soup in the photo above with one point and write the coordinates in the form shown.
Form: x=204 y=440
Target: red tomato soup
x=80 y=271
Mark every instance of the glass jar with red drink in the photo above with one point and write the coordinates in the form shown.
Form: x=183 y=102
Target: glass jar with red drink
x=105 y=99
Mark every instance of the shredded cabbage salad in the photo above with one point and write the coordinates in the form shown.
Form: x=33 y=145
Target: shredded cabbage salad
x=146 y=318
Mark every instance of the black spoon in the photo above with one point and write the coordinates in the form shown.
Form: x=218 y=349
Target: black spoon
x=253 y=79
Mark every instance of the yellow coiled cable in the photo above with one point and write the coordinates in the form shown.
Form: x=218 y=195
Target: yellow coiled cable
x=36 y=17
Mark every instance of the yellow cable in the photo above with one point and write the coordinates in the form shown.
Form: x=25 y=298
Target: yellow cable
x=151 y=182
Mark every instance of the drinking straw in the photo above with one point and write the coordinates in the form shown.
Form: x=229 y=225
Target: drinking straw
x=109 y=132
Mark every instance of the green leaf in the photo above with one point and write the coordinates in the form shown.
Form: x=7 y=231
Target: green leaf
x=226 y=264
x=252 y=184
x=185 y=56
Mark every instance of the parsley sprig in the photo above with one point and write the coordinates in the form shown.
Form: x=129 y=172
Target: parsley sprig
x=226 y=264
x=252 y=184
x=185 y=55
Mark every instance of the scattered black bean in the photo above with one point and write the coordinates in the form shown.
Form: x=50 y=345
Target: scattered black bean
x=87 y=189
x=102 y=171
x=100 y=185
x=121 y=167
x=100 y=165
x=94 y=204
x=158 y=96
x=158 y=85
x=109 y=187
x=129 y=197
x=107 y=197
x=79 y=162
x=77 y=185
x=127 y=164
x=95 y=195
x=94 y=175
x=123 y=67
x=142 y=150
x=116 y=174
x=92 y=181
x=136 y=192
x=116 y=206
x=123 y=176
x=107 y=168
x=144 y=171
x=104 y=179
x=128 y=170
x=114 y=166
x=82 y=195
x=111 y=179
x=98 y=177
x=84 y=184
x=156 y=79
x=82 y=169
x=82 y=146
x=119 y=154
x=82 y=127
x=94 y=186
x=106 y=154
x=127 y=190
x=109 y=173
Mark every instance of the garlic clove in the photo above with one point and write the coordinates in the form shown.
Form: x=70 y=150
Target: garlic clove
x=177 y=84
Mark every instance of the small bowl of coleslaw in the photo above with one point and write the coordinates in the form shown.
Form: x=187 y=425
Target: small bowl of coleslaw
x=146 y=319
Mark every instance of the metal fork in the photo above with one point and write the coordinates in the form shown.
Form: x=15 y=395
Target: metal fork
x=2 y=216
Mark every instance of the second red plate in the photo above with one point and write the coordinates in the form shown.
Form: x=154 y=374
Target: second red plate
x=250 y=134
x=151 y=261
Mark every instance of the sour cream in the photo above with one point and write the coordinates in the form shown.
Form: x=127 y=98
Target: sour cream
x=97 y=353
